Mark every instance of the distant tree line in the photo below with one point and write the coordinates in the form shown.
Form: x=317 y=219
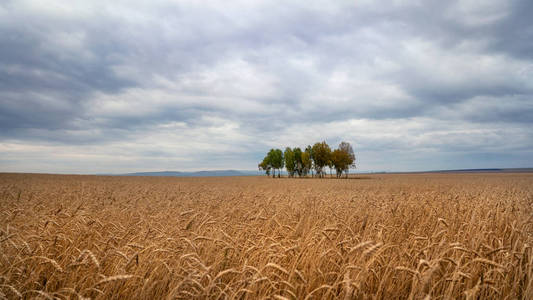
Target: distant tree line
x=312 y=160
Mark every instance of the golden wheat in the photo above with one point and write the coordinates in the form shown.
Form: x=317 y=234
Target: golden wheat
x=417 y=236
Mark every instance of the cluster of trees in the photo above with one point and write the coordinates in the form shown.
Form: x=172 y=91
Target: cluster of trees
x=315 y=158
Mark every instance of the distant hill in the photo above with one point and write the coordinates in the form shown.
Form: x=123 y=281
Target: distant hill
x=467 y=171
x=223 y=173
x=195 y=174
x=492 y=170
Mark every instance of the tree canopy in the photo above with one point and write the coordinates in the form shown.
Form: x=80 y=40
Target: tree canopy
x=316 y=157
x=290 y=163
x=342 y=160
x=298 y=164
x=321 y=157
x=277 y=160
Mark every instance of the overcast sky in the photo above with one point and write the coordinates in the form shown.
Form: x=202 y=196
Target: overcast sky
x=121 y=86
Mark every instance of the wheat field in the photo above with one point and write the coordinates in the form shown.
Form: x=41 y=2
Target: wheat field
x=410 y=236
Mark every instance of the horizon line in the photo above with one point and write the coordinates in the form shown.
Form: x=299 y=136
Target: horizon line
x=261 y=173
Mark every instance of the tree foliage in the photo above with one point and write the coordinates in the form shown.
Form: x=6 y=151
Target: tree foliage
x=343 y=158
x=321 y=153
x=298 y=164
x=309 y=162
x=347 y=148
x=276 y=157
x=266 y=165
x=316 y=157
x=306 y=163
x=290 y=162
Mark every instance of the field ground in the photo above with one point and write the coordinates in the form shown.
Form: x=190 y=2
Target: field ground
x=418 y=236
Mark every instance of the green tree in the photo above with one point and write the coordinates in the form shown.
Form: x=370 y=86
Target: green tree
x=290 y=162
x=277 y=160
x=340 y=161
x=266 y=165
x=270 y=160
x=347 y=148
x=321 y=154
x=312 y=158
x=307 y=161
x=330 y=164
x=309 y=151
x=298 y=161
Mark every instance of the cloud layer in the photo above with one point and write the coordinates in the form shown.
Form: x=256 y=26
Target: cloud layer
x=100 y=86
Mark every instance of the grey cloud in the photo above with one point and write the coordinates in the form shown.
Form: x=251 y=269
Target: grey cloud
x=100 y=73
x=515 y=33
x=42 y=84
